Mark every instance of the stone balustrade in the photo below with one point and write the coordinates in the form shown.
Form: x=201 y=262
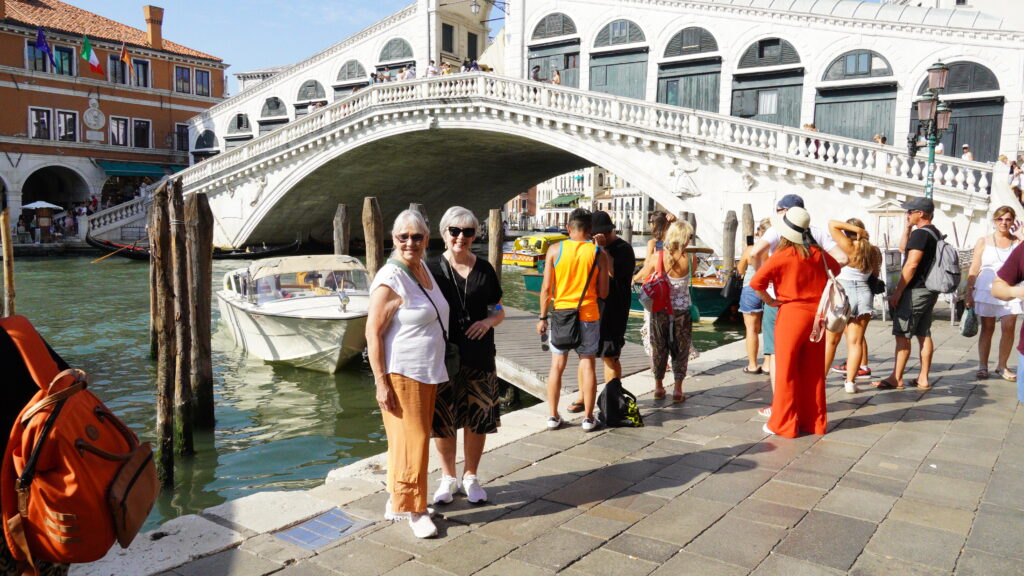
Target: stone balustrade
x=117 y=216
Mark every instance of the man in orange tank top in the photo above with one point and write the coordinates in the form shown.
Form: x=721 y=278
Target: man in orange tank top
x=570 y=283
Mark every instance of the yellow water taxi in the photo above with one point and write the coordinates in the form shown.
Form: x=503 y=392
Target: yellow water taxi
x=528 y=250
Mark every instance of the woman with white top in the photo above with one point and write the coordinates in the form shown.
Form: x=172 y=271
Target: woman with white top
x=750 y=305
x=989 y=255
x=863 y=261
x=405 y=341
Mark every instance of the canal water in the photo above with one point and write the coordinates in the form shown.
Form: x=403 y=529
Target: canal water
x=277 y=427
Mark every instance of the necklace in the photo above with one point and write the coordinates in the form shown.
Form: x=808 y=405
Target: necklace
x=463 y=293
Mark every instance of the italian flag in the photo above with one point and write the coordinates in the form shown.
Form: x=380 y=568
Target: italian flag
x=89 y=55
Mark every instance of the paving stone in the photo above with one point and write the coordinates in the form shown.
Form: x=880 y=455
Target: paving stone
x=494 y=468
x=541 y=475
x=869 y=506
x=414 y=568
x=956 y=470
x=644 y=548
x=737 y=541
x=341 y=491
x=230 y=563
x=667 y=488
x=731 y=484
x=674 y=446
x=689 y=564
x=636 y=469
x=597 y=525
x=853 y=431
x=833 y=449
x=880 y=464
x=633 y=503
x=599 y=455
x=910 y=445
x=399 y=536
x=530 y=521
x=589 y=491
x=369 y=507
x=602 y=562
x=501 y=499
x=827 y=539
x=680 y=521
x=967 y=449
x=933 y=515
x=557 y=549
x=768 y=455
x=869 y=564
x=706 y=460
x=305 y=568
x=532 y=448
x=510 y=567
x=617 y=440
x=547 y=439
x=975 y=425
x=945 y=491
x=571 y=464
x=803 y=497
x=997 y=530
x=806 y=477
x=270 y=511
x=361 y=558
x=871 y=483
x=768 y=513
x=977 y=563
x=781 y=565
x=1005 y=489
x=914 y=543
x=274 y=549
x=467 y=553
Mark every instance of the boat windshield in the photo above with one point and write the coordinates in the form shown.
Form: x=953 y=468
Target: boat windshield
x=310 y=283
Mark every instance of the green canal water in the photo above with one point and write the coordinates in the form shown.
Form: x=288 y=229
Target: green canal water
x=278 y=428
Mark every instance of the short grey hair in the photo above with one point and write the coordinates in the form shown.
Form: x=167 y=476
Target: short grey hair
x=458 y=215
x=410 y=218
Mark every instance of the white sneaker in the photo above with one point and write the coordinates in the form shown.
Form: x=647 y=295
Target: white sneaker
x=554 y=423
x=588 y=424
x=851 y=387
x=767 y=430
x=474 y=492
x=390 y=514
x=446 y=490
x=422 y=526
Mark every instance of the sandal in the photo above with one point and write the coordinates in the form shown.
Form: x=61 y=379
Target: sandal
x=659 y=394
x=883 y=385
x=747 y=370
x=981 y=374
x=678 y=398
x=576 y=407
x=920 y=386
x=1008 y=376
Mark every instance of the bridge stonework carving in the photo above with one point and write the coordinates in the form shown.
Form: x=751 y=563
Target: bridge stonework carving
x=479 y=139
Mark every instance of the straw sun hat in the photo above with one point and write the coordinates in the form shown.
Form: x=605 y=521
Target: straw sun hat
x=794 y=225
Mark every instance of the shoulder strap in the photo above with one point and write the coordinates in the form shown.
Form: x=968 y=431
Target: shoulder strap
x=589 y=276
x=401 y=265
x=935 y=235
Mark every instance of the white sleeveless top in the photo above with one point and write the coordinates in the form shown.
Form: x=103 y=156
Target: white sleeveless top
x=992 y=260
x=413 y=342
x=853 y=274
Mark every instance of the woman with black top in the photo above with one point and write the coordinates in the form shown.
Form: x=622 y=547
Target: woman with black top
x=470 y=400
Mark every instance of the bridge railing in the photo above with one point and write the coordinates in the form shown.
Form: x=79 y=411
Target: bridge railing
x=687 y=125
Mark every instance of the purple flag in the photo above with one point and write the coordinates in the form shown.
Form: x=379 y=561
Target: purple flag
x=43 y=46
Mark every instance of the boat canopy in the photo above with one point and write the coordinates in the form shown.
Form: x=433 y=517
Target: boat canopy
x=295 y=264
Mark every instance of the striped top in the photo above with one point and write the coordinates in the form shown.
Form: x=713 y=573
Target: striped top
x=575 y=258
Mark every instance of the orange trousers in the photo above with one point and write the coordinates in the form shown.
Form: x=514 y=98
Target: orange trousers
x=408 y=431
x=799 y=401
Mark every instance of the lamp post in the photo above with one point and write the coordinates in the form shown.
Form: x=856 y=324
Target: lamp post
x=933 y=115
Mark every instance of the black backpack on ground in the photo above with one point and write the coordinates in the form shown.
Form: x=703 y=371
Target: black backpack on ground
x=617 y=407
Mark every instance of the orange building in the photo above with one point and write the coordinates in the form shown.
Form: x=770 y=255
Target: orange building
x=68 y=133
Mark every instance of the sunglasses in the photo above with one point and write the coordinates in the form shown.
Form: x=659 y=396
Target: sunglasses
x=466 y=232
x=912 y=211
x=416 y=238
x=780 y=210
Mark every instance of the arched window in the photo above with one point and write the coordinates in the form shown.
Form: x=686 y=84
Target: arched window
x=273 y=107
x=769 y=52
x=552 y=25
x=966 y=77
x=239 y=125
x=619 y=32
x=311 y=90
x=396 y=49
x=858 y=64
x=206 y=140
x=352 y=70
x=691 y=41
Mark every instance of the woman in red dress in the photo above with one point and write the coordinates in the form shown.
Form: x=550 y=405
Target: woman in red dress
x=797 y=270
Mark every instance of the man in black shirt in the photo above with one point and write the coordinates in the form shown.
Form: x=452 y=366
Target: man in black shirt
x=911 y=301
x=614 y=308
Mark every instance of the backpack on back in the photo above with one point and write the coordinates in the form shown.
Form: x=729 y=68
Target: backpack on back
x=74 y=478
x=944 y=275
x=617 y=407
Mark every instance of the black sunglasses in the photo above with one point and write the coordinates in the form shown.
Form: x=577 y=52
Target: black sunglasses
x=466 y=232
x=416 y=238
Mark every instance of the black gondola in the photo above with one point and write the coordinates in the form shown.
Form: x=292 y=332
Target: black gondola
x=132 y=251
x=136 y=252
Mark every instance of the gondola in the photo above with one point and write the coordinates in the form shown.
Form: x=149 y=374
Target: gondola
x=256 y=252
x=132 y=251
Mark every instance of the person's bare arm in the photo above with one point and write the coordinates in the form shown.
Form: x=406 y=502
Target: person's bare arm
x=838 y=229
x=1003 y=291
x=545 y=287
x=758 y=252
x=604 y=262
x=384 y=302
x=972 y=274
x=839 y=255
x=741 y=266
x=647 y=268
x=906 y=237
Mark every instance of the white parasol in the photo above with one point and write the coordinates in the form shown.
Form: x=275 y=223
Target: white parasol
x=41 y=204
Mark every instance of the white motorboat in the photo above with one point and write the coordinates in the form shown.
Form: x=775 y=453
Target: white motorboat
x=307 y=311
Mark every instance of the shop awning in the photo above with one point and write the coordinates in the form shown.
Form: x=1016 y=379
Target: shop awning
x=564 y=201
x=137 y=169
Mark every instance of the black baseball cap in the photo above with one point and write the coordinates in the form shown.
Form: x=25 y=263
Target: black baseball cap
x=790 y=201
x=923 y=204
x=601 y=223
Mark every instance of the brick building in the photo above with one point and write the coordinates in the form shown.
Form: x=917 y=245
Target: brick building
x=68 y=133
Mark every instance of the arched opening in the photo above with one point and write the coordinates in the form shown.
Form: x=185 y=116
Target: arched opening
x=864 y=104
x=763 y=91
x=977 y=118
x=206 y=146
x=273 y=115
x=239 y=132
x=691 y=77
x=396 y=55
x=618 y=64
x=551 y=50
x=351 y=77
x=57 y=185
x=310 y=97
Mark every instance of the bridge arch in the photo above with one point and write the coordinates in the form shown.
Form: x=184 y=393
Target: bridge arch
x=56 y=183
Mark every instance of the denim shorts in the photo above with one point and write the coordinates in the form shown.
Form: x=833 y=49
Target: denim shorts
x=590 y=334
x=750 y=302
x=768 y=329
x=861 y=298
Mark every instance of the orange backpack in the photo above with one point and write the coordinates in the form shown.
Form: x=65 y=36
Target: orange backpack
x=74 y=478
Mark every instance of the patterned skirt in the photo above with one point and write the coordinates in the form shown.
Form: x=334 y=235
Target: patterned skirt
x=470 y=400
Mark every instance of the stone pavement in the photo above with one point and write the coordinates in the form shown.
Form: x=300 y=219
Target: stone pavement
x=906 y=482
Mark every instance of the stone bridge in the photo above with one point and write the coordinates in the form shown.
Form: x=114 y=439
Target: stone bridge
x=478 y=139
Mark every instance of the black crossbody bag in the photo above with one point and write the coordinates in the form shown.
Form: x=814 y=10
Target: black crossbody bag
x=452 y=359
x=566 y=332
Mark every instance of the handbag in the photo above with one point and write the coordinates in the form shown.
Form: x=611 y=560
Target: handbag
x=969 y=323
x=876 y=284
x=452 y=359
x=733 y=286
x=833 y=308
x=566 y=332
x=656 y=291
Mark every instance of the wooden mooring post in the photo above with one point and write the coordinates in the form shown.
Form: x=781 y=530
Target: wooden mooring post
x=163 y=325
x=748 y=222
x=199 y=234
x=627 y=231
x=8 y=241
x=182 y=320
x=373 y=233
x=341 y=230
x=729 y=242
x=495 y=238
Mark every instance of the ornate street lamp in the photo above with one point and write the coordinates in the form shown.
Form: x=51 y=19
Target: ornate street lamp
x=933 y=115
